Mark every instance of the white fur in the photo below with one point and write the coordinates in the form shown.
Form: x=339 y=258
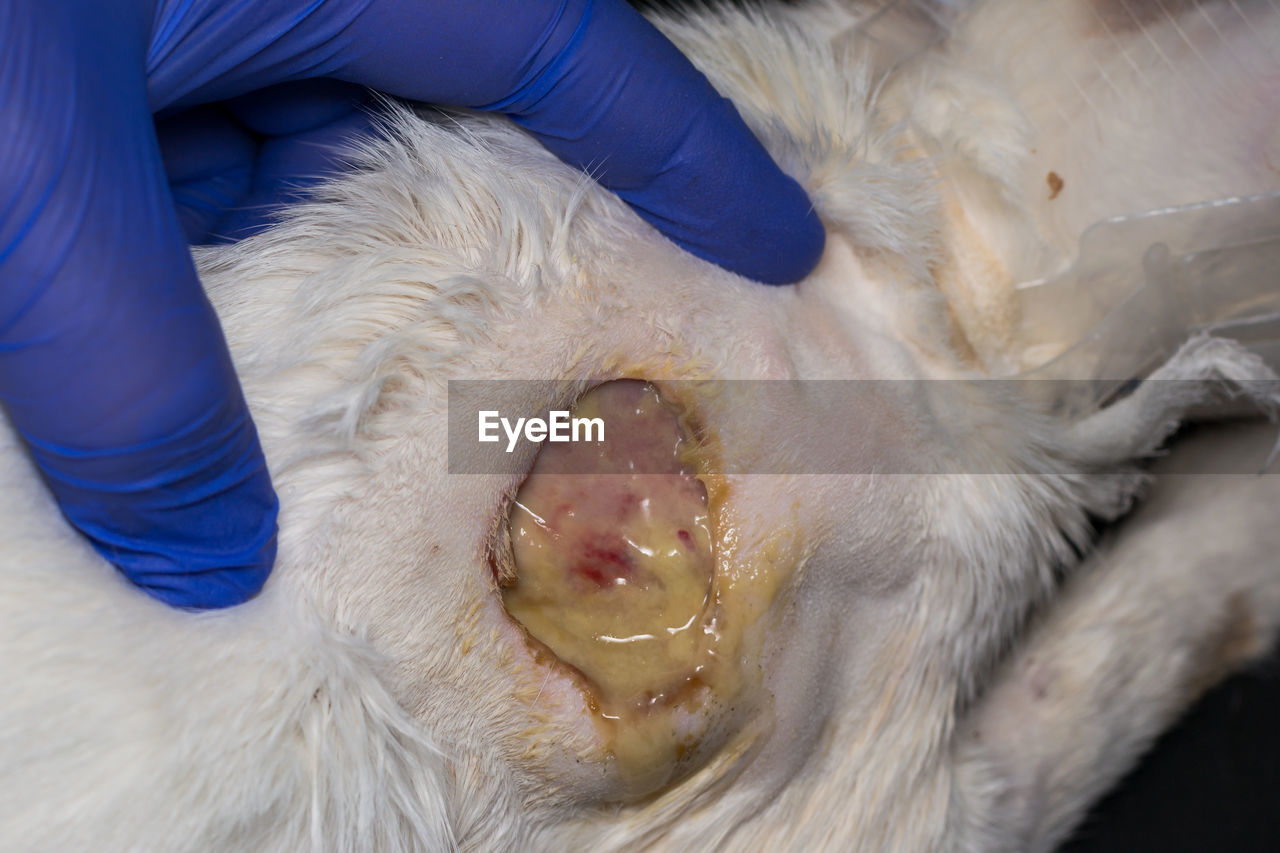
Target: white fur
x=375 y=697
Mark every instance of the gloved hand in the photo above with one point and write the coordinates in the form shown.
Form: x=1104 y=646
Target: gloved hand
x=112 y=364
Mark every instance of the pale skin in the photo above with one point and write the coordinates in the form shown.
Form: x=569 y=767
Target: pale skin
x=925 y=662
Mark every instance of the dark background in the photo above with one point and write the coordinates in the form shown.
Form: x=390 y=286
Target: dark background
x=1211 y=783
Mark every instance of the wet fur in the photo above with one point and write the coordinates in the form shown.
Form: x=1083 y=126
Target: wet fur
x=374 y=698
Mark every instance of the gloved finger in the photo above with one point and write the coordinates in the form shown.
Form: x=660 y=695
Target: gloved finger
x=288 y=109
x=591 y=79
x=209 y=161
x=604 y=90
x=232 y=165
x=112 y=363
x=285 y=168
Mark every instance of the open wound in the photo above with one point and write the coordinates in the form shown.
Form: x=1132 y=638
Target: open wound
x=612 y=549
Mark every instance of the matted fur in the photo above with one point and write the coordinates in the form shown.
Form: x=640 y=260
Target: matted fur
x=376 y=698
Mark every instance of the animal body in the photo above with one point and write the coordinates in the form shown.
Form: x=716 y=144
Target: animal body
x=926 y=648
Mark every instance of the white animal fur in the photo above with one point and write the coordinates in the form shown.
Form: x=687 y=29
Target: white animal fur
x=375 y=698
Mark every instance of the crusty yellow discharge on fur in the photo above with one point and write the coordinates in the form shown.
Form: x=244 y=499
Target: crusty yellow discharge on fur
x=614 y=566
x=629 y=570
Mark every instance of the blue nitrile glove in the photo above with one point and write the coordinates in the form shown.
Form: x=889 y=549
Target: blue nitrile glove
x=112 y=364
